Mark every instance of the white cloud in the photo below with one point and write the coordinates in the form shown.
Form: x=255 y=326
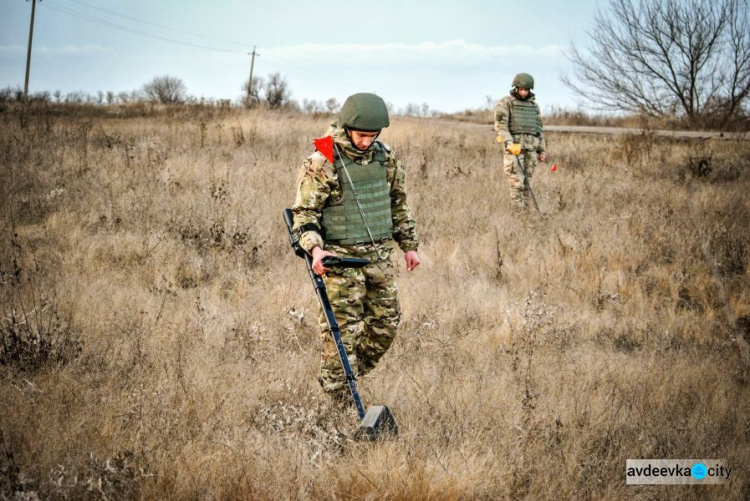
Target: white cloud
x=447 y=75
x=427 y=53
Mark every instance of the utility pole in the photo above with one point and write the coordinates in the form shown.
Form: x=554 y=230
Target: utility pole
x=250 y=82
x=28 y=53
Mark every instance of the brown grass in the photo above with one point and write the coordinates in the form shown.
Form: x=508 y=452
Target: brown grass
x=159 y=339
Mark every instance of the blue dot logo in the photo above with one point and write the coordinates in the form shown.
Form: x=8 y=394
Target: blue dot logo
x=699 y=471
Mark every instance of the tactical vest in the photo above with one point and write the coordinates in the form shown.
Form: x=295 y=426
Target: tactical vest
x=342 y=221
x=524 y=118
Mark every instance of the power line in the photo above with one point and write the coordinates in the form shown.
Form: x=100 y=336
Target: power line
x=198 y=35
x=127 y=29
x=280 y=61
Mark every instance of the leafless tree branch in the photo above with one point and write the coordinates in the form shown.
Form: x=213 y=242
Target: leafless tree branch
x=666 y=58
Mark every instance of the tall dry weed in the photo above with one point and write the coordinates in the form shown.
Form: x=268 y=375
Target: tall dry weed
x=537 y=353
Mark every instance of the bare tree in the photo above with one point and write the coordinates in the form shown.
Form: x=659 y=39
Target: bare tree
x=252 y=98
x=738 y=54
x=332 y=105
x=311 y=106
x=276 y=91
x=75 y=97
x=165 y=89
x=42 y=96
x=662 y=58
x=489 y=103
x=6 y=95
x=411 y=110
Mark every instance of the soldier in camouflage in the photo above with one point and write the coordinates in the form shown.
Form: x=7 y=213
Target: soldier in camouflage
x=518 y=123
x=330 y=222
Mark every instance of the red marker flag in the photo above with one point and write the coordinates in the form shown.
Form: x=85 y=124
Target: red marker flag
x=554 y=167
x=325 y=146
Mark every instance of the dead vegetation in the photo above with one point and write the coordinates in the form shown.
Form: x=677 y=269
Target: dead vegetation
x=159 y=339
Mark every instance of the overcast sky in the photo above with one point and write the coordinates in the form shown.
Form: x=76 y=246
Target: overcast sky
x=448 y=54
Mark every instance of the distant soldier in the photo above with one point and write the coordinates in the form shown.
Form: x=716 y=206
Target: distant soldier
x=356 y=206
x=518 y=123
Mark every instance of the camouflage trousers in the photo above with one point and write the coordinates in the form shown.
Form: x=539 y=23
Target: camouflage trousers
x=519 y=192
x=365 y=304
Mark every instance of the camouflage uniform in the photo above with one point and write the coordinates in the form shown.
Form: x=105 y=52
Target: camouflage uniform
x=364 y=301
x=532 y=144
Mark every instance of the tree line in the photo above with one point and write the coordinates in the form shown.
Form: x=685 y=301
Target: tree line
x=665 y=59
x=272 y=92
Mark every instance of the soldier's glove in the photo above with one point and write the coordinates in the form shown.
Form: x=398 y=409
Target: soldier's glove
x=500 y=138
x=514 y=149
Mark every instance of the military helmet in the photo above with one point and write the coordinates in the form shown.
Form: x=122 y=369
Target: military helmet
x=523 y=80
x=365 y=112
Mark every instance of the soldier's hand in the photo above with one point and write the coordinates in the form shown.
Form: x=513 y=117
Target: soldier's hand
x=514 y=149
x=542 y=157
x=412 y=260
x=317 y=263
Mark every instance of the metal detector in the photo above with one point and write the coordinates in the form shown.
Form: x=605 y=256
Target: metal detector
x=378 y=421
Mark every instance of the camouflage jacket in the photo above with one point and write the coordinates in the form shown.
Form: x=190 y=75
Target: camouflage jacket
x=318 y=182
x=503 y=111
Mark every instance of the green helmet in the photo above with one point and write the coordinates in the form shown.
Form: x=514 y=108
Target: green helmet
x=523 y=80
x=365 y=112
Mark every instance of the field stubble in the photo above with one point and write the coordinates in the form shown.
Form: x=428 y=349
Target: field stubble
x=159 y=339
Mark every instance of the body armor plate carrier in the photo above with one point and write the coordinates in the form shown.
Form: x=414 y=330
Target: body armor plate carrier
x=342 y=221
x=524 y=118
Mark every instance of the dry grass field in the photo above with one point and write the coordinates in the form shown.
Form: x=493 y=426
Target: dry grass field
x=158 y=338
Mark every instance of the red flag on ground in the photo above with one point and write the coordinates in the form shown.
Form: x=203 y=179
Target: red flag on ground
x=554 y=167
x=325 y=146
